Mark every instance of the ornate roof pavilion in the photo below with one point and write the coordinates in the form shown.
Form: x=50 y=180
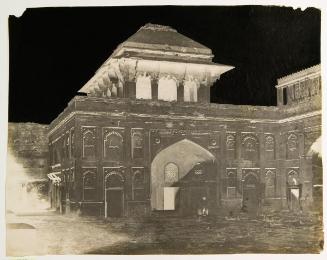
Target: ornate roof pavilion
x=158 y=51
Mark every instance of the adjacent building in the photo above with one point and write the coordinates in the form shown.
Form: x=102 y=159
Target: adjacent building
x=146 y=138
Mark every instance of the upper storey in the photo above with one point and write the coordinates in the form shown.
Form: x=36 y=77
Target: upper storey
x=302 y=87
x=163 y=42
x=157 y=62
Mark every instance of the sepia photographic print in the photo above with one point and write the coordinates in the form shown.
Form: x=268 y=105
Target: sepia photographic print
x=137 y=130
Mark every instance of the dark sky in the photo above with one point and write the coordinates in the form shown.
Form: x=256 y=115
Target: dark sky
x=55 y=51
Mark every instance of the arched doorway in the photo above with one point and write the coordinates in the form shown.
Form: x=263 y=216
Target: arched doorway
x=114 y=194
x=182 y=176
x=250 y=193
x=294 y=190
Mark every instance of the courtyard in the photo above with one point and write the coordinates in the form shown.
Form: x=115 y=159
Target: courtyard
x=51 y=233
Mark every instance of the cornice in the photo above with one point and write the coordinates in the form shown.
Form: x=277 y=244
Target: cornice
x=298 y=76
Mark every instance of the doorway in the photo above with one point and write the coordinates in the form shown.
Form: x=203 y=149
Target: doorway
x=250 y=194
x=115 y=200
x=294 y=198
x=114 y=195
x=198 y=199
x=173 y=173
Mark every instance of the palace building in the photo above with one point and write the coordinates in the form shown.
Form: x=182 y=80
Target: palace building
x=146 y=139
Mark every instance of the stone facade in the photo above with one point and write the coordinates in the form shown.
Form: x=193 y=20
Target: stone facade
x=146 y=137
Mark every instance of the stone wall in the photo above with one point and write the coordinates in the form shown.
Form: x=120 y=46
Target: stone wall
x=268 y=142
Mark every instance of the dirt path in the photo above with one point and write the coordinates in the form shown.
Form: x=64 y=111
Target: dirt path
x=63 y=234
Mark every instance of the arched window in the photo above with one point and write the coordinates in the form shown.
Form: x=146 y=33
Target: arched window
x=137 y=144
x=143 y=87
x=250 y=148
x=292 y=142
x=89 y=142
x=167 y=89
x=269 y=143
x=89 y=186
x=231 y=145
x=293 y=177
x=114 y=180
x=190 y=91
x=230 y=142
x=270 y=184
x=171 y=173
x=270 y=147
x=250 y=181
x=138 y=185
x=292 y=146
x=113 y=146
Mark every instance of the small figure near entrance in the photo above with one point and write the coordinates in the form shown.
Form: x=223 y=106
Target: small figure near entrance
x=203 y=207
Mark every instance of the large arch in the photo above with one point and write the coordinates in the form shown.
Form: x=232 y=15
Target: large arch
x=185 y=154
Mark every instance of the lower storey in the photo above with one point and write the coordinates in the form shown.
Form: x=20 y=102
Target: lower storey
x=186 y=201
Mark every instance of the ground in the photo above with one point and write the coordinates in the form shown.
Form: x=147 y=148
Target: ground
x=71 y=234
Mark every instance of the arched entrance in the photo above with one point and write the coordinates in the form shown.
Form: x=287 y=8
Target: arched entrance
x=114 y=194
x=183 y=176
x=250 y=193
x=294 y=190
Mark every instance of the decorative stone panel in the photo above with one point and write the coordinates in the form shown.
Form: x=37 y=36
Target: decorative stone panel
x=137 y=143
x=250 y=146
x=88 y=141
x=113 y=144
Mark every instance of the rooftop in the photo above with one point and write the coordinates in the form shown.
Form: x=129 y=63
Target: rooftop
x=158 y=49
x=161 y=37
x=299 y=75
